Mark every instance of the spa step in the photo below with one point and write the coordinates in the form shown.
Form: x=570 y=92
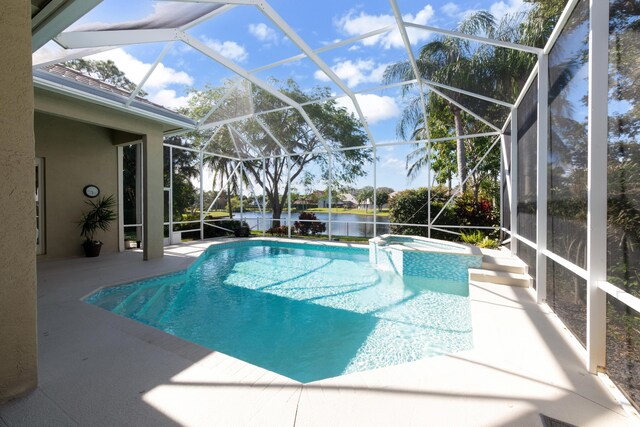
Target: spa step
x=510 y=264
x=500 y=277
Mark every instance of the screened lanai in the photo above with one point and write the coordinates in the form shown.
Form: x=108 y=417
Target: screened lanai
x=238 y=124
x=562 y=132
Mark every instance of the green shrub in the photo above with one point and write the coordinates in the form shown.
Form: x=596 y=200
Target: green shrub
x=477 y=237
x=411 y=206
x=279 y=230
x=472 y=237
x=307 y=224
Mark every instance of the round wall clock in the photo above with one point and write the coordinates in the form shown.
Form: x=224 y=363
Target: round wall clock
x=91 y=190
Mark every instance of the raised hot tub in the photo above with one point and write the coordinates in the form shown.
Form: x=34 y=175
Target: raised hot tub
x=423 y=257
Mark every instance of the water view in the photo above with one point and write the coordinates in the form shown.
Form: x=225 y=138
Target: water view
x=342 y=224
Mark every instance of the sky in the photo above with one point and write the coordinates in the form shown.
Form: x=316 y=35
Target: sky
x=248 y=38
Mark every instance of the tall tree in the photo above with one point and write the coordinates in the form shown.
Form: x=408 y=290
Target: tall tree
x=365 y=196
x=247 y=139
x=446 y=60
x=484 y=69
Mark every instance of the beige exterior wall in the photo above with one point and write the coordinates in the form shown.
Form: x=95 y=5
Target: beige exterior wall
x=18 y=342
x=75 y=154
x=86 y=135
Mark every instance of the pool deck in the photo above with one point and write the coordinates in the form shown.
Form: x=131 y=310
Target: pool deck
x=100 y=369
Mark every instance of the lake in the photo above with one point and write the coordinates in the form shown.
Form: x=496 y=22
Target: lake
x=342 y=224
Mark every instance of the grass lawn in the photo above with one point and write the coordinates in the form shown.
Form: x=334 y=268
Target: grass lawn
x=348 y=211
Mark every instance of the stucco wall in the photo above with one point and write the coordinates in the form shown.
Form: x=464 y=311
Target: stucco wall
x=75 y=154
x=18 y=351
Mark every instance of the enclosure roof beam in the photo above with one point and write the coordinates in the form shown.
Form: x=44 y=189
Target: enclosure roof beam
x=264 y=127
x=195 y=150
x=84 y=39
x=81 y=39
x=459 y=187
x=222 y=185
x=386 y=144
x=479 y=39
x=54 y=17
x=468 y=93
x=233 y=140
x=373 y=89
x=302 y=45
x=206 y=144
x=208 y=16
x=412 y=60
x=314 y=101
x=68 y=56
x=325 y=48
x=560 y=25
x=462 y=107
x=206 y=50
x=151 y=69
x=525 y=88
x=220 y=102
x=245 y=140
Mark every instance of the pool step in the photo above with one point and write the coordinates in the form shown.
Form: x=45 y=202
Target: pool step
x=159 y=304
x=500 y=277
x=509 y=264
x=501 y=269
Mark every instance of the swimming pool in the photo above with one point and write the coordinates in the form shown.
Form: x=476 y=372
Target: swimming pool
x=303 y=310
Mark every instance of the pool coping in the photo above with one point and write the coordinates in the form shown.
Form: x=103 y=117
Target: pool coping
x=463 y=249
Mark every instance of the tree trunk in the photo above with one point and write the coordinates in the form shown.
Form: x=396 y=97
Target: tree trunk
x=461 y=153
x=277 y=213
x=276 y=206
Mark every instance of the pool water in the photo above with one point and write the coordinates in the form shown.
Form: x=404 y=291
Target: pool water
x=304 y=311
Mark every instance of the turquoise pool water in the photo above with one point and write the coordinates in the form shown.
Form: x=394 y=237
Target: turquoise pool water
x=305 y=311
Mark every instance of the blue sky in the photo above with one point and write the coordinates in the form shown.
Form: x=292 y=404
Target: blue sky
x=250 y=39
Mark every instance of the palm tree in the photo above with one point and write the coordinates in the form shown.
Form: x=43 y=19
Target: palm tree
x=447 y=60
x=497 y=72
x=223 y=167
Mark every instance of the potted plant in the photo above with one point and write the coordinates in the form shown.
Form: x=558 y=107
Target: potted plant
x=99 y=217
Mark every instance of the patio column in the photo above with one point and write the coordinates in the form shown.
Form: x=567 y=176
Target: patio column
x=153 y=208
x=597 y=185
x=18 y=345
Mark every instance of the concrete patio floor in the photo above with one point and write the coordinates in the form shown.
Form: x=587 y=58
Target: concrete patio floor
x=100 y=369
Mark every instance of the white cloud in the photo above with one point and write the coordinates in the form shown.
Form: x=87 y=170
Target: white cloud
x=263 y=32
x=374 y=107
x=168 y=97
x=355 y=72
x=450 y=9
x=157 y=84
x=394 y=163
x=356 y=24
x=135 y=70
x=228 y=49
x=508 y=7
